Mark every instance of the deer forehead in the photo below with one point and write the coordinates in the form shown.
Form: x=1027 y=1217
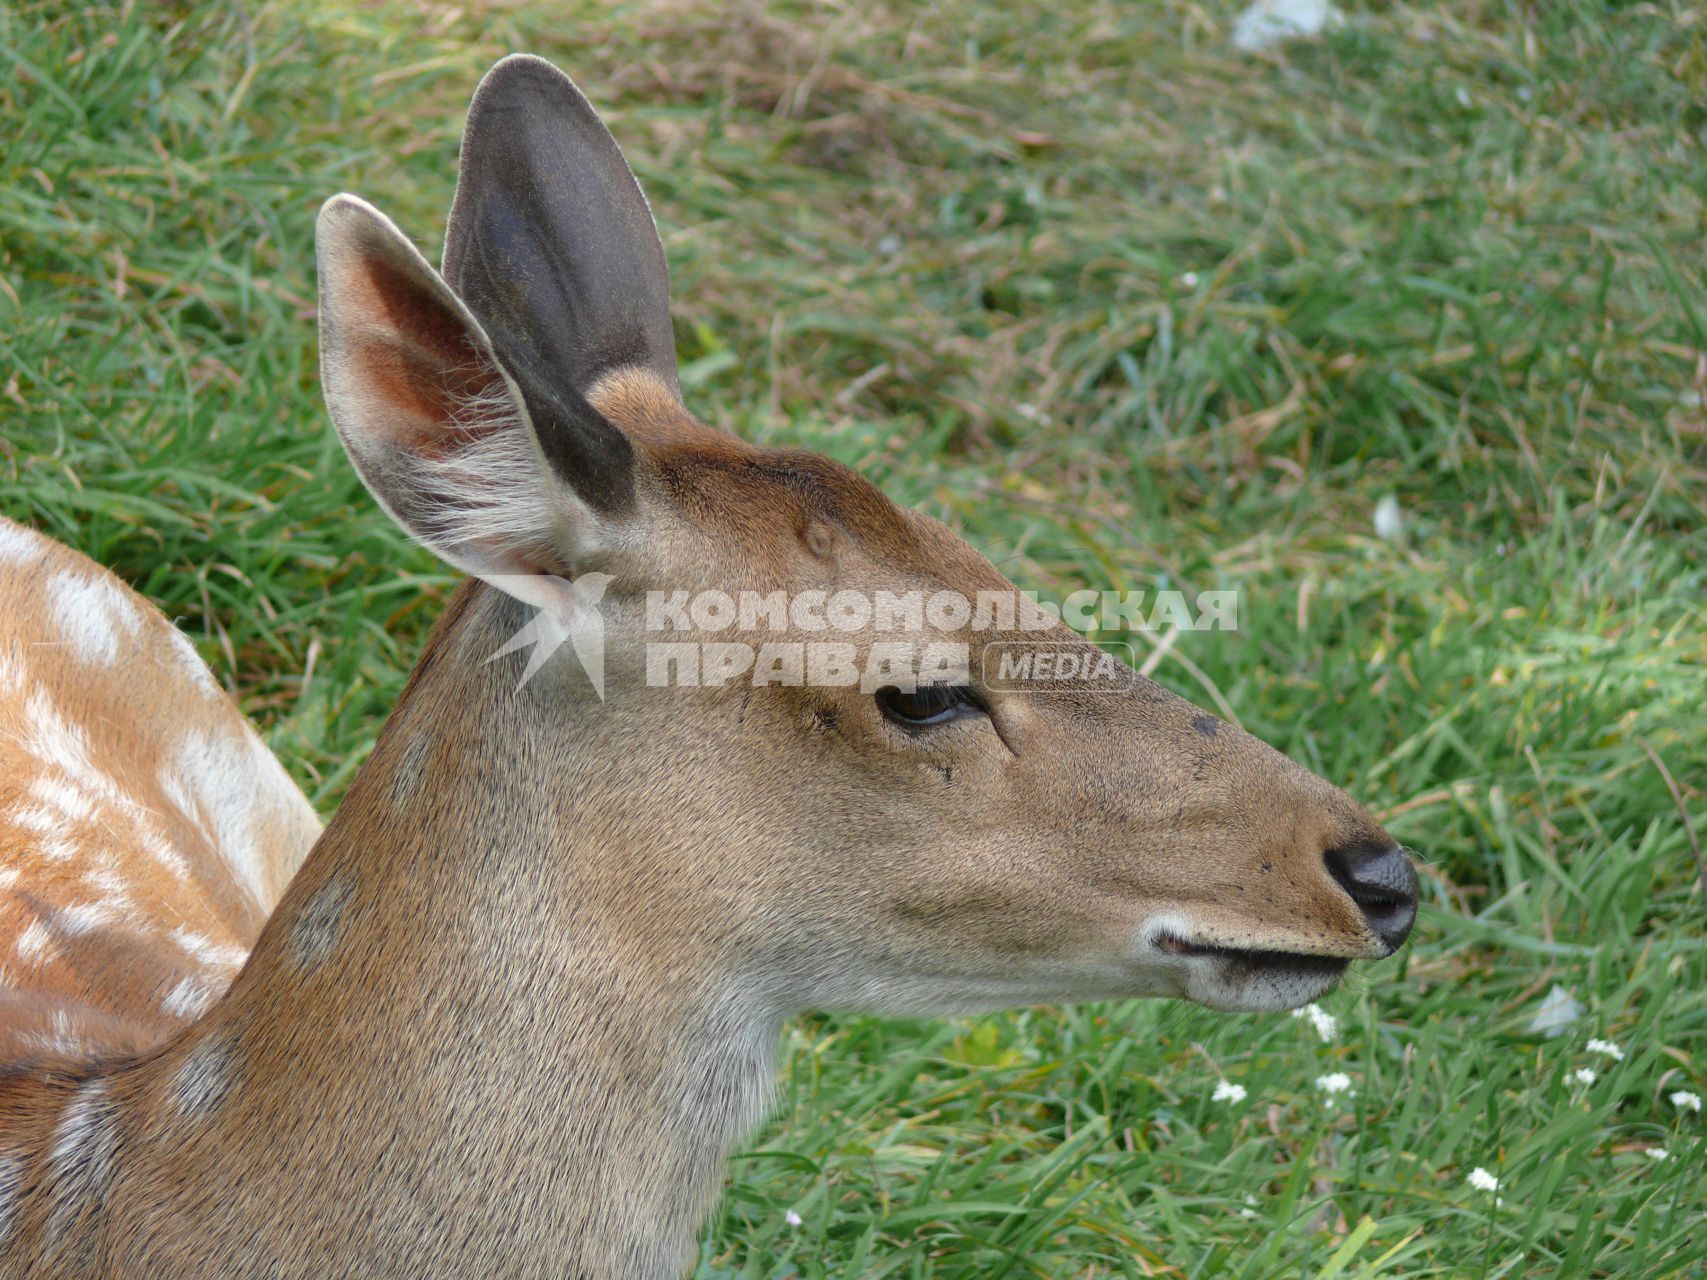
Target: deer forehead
x=757 y=500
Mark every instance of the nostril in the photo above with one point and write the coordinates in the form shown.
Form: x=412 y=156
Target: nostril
x=1379 y=878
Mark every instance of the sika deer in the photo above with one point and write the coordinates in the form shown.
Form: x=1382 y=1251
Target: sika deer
x=523 y=997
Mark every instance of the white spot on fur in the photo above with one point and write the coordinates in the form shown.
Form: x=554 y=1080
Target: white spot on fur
x=20 y=547
x=11 y=674
x=80 y=1129
x=40 y=820
x=53 y=739
x=318 y=926
x=48 y=826
x=205 y=1078
x=411 y=766
x=235 y=790
x=94 y=615
x=113 y=887
x=11 y=1169
x=71 y=803
x=35 y=943
x=191 y=998
x=189 y=663
x=61 y=1039
x=61 y=745
x=208 y=951
x=84 y=917
x=83 y=1150
x=161 y=850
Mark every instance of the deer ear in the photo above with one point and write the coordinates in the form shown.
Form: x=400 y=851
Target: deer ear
x=442 y=431
x=550 y=239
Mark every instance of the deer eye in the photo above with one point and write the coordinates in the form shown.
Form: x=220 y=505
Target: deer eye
x=929 y=704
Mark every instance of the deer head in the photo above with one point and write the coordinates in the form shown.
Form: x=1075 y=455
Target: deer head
x=925 y=842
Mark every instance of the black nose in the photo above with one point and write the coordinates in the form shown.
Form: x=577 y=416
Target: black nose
x=1381 y=880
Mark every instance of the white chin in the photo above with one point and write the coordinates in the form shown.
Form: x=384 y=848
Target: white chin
x=1241 y=986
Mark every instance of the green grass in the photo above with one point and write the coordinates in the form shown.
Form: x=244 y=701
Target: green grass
x=1130 y=310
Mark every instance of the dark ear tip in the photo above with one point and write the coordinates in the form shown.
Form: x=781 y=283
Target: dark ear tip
x=522 y=72
x=516 y=64
x=550 y=239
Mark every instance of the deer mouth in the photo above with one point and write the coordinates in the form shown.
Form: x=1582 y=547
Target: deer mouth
x=1254 y=959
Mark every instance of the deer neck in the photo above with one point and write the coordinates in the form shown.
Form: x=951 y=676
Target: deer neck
x=466 y=1044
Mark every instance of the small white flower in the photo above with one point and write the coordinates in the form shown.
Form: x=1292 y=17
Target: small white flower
x=792 y=1218
x=1324 y=1022
x=1657 y=1153
x=1189 y=280
x=1482 y=1180
x=1227 y=1091
x=1607 y=1047
x=1583 y=1075
x=1463 y=96
x=1389 y=519
x=1683 y=1100
x=1335 y=1082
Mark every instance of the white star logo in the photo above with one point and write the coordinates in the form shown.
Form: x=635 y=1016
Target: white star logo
x=570 y=614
